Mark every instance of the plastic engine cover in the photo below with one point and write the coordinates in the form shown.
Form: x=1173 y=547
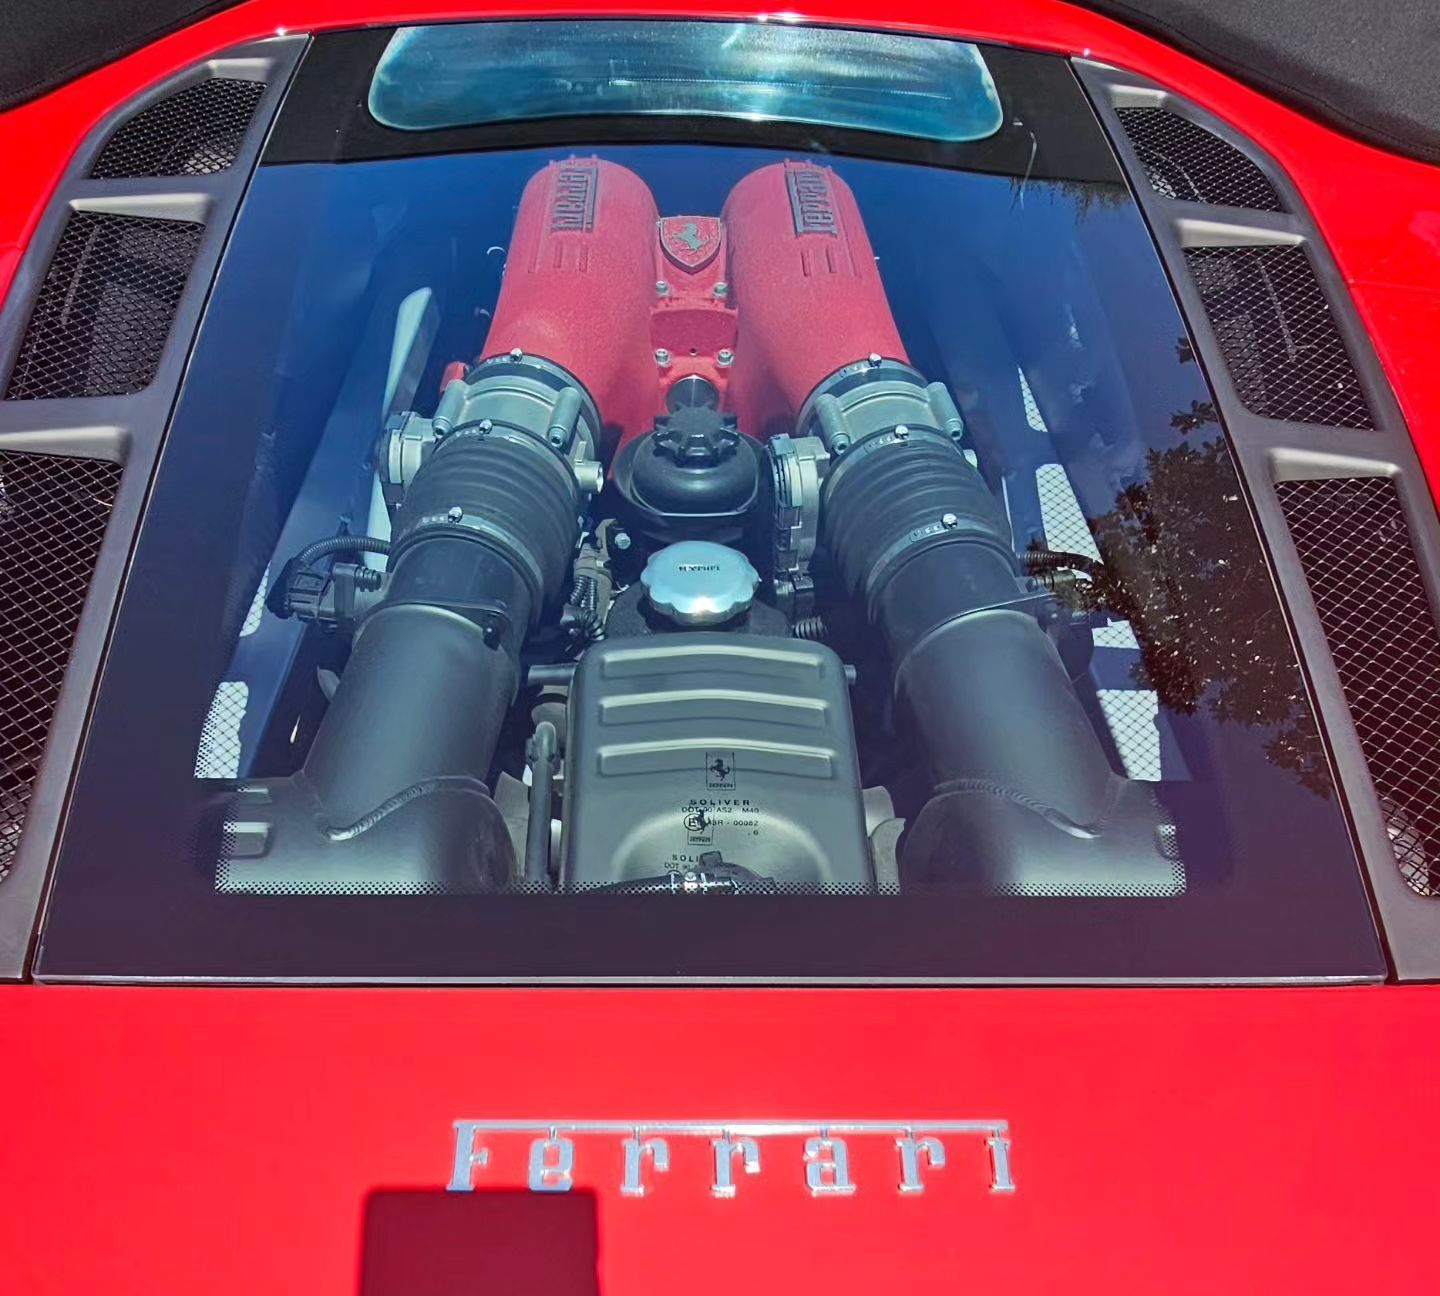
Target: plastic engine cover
x=692 y=744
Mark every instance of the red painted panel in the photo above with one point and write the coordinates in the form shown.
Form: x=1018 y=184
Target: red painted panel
x=1404 y=324
x=1379 y=212
x=229 y=1141
x=179 y=1141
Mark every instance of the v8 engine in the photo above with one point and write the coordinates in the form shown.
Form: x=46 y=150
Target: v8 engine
x=693 y=549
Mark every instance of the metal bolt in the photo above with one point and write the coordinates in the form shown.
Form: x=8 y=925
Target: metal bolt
x=454 y=514
x=557 y=438
x=902 y=433
x=873 y=358
x=486 y=425
x=949 y=521
x=840 y=444
x=725 y=356
x=662 y=357
x=661 y=287
x=620 y=539
x=516 y=353
x=721 y=289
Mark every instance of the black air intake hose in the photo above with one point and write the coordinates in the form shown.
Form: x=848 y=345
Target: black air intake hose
x=481 y=546
x=1025 y=801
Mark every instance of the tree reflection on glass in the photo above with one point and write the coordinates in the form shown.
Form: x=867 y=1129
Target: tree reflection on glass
x=1183 y=565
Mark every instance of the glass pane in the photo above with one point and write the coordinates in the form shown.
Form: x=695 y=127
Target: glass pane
x=433 y=77
x=776 y=565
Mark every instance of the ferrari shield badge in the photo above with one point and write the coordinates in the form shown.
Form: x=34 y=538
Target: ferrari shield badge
x=691 y=242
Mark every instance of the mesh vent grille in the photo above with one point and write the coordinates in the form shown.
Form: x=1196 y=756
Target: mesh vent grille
x=1185 y=161
x=53 y=512
x=105 y=307
x=1279 y=339
x=1355 y=549
x=194 y=133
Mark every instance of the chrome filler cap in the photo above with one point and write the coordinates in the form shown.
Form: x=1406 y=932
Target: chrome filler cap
x=699 y=583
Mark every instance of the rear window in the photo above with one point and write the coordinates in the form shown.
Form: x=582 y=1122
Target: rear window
x=676 y=546
x=469 y=73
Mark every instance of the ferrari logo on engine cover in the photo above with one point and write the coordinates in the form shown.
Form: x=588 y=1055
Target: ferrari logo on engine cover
x=690 y=241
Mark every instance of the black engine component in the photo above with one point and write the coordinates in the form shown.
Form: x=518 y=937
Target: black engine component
x=391 y=796
x=688 y=744
x=481 y=545
x=694 y=477
x=1025 y=801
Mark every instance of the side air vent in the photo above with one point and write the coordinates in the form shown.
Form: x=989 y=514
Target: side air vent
x=53 y=511
x=1279 y=340
x=1355 y=548
x=1184 y=160
x=105 y=306
x=196 y=132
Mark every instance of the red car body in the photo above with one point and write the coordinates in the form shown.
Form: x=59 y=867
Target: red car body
x=247 y=1140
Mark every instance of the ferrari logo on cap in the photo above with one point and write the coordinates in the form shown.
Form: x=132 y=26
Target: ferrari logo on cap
x=690 y=241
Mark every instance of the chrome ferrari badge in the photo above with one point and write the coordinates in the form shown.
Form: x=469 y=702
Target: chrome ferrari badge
x=690 y=241
x=817 y=1153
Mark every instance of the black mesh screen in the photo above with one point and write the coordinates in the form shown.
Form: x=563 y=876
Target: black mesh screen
x=104 y=310
x=193 y=133
x=53 y=511
x=1185 y=161
x=1355 y=548
x=1285 y=355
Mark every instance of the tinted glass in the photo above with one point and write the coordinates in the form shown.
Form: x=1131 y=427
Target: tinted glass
x=1076 y=718
x=468 y=73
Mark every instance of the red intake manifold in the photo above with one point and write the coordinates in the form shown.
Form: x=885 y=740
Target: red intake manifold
x=763 y=301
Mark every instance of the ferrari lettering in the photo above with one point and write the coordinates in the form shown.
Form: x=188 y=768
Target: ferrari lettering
x=811 y=205
x=726 y=1150
x=574 y=206
x=559 y=1154
x=912 y=1152
x=552 y=1162
x=636 y=1152
x=827 y=1167
x=468 y=1157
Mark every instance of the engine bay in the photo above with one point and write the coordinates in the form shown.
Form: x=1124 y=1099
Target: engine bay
x=691 y=581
